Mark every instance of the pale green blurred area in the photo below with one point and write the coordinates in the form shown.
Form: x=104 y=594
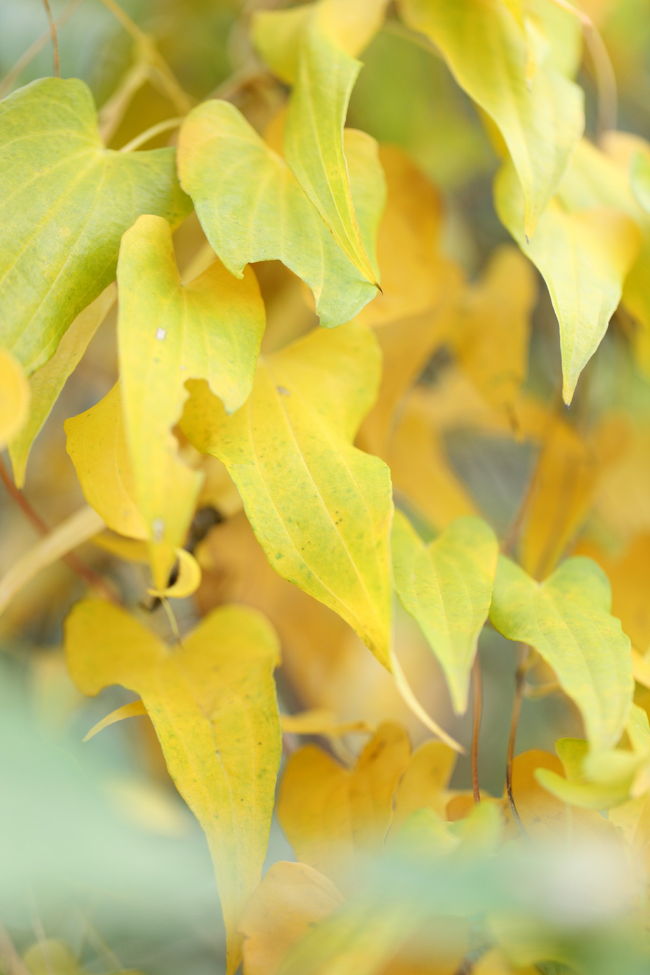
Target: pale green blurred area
x=76 y=863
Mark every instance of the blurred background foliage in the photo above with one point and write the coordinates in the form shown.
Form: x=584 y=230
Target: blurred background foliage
x=95 y=848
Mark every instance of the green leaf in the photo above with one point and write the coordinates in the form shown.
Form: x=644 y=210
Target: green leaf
x=211 y=329
x=583 y=247
x=48 y=381
x=212 y=703
x=517 y=75
x=567 y=620
x=447 y=588
x=65 y=201
x=228 y=170
x=313 y=48
x=320 y=507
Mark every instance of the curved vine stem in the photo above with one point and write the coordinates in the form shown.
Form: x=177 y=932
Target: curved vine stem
x=54 y=37
x=35 y=48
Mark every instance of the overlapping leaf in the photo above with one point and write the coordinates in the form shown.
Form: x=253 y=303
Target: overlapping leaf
x=519 y=75
x=65 y=201
x=252 y=207
x=585 y=244
x=47 y=382
x=212 y=704
x=313 y=48
x=14 y=397
x=209 y=329
x=320 y=508
x=447 y=587
x=567 y=620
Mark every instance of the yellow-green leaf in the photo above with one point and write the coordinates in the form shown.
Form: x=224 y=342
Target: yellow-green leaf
x=584 y=247
x=447 y=587
x=313 y=49
x=228 y=170
x=65 y=201
x=47 y=382
x=168 y=333
x=567 y=620
x=14 y=397
x=212 y=703
x=320 y=507
x=538 y=112
x=50 y=957
x=640 y=176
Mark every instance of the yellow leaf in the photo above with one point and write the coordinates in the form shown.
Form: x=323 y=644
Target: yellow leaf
x=134 y=709
x=584 y=247
x=97 y=447
x=168 y=333
x=414 y=274
x=491 y=341
x=212 y=703
x=320 y=721
x=420 y=468
x=538 y=113
x=565 y=480
x=373 y=782
x=315 y=812
x=567 y=619
x=228 y=170
x=14 y=397
x=48 y=381
x=447 y=587
x=313 y=48
x=187 y=581
x=425 y=780
x=320 y=508
x=291 y=898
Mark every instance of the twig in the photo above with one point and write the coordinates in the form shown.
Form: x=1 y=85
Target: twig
x=603 y=70
x=520 y=677
x=9 y=957
x=54 y=37
x=35 y=48
x=71 y=559
x=168 y=80
x=166 y=126
x=477 y=713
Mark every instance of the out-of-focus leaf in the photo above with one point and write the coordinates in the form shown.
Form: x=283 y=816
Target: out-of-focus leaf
x=420 y=468
x=47 y=382
x=491 y=340
x=567 y=620
x=425 y=781
x=565 y=479
x=291 y=899
x=14 y=397
x=313 y=48
x=212 y=703
x=228 y=170
x=211 y=329
x=320 y=508
x=539 y=113
x=66 y=201
x=187 y=581
x=575 y=788
x=447 y=587
x=329 y=813
x=583 y=250
x=50 y=957
x=96 y=444
x=640 y=176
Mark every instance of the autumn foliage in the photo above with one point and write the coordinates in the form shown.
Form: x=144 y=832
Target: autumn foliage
x=346 y=500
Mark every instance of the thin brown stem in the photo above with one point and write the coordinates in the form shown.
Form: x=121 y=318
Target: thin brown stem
x=9 y=957
x=34 y=49
x=77 y=565
x=477 y=713
x=54 y=38
x=520 y=679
